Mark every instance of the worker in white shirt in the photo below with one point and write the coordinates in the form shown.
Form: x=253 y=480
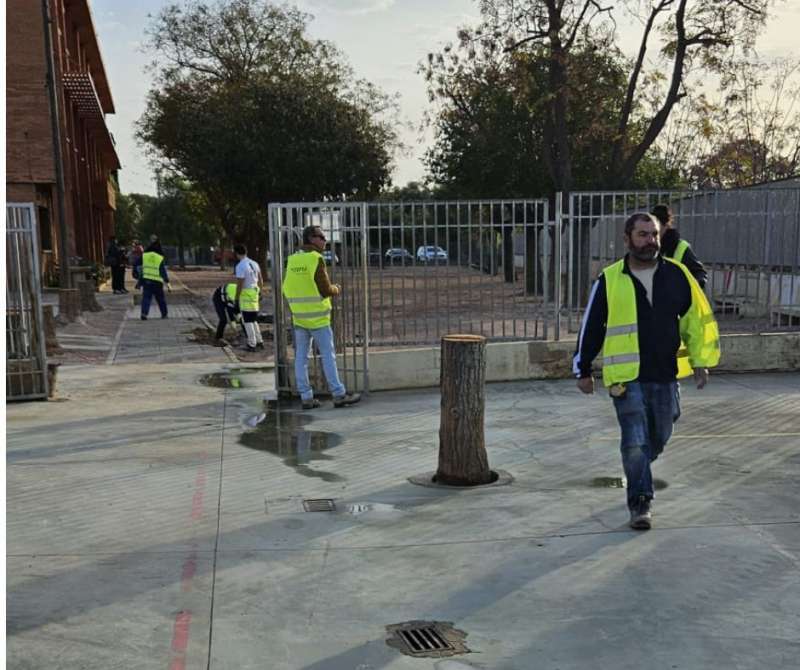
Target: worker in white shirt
x=248 y=292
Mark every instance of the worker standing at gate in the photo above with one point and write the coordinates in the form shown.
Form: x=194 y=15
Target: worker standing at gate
x=248 y=296
x=672 y=246
x=308 y=291
x=654 y=324
x=153 y=278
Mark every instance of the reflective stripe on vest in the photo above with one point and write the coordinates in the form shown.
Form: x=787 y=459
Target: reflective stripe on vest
x=309 y=309
x=151 y=262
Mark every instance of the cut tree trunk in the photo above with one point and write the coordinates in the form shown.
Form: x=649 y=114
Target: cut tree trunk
x=462 y=450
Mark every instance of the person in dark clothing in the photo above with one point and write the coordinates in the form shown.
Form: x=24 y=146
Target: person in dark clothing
x=115 y=260
x=224 y=300
x=135 y=259
x=153 y=277
x=654 y=324
x=672 y=246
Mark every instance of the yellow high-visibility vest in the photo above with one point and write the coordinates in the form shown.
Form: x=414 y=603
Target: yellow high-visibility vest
x=698 y=329
x=309 y=309
x=230 y=292
x=680 y=250
x=151 y=262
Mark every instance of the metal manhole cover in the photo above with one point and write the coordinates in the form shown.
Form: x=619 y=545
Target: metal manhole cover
x=428 y=639
x=319 y=505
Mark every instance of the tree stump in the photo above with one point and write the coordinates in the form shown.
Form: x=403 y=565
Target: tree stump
x=50 y=338
x=89 y=303
x=462 y=450
x=69 y=305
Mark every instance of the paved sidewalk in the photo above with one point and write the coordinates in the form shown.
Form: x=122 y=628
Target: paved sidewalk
x=154 y=521
x=117 y=336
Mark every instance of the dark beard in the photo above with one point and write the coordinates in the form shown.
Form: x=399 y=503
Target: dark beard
x=645 y=254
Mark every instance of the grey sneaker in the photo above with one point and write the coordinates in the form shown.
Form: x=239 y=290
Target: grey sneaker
x=346 y=399
x=311 y=404
x=641 y=517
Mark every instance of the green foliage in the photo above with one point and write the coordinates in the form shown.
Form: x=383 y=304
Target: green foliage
x=250 y=110
x=490 y=122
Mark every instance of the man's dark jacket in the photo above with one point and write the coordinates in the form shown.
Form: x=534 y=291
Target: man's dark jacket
x=659 y=335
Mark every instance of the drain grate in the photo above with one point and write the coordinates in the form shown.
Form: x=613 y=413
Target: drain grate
x=431 y=639
x=319 y=505
x=424 y=640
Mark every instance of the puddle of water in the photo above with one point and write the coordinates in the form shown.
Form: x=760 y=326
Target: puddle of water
x=235 y=378
x=282 y=433
x=356 y=509
x=621 y=483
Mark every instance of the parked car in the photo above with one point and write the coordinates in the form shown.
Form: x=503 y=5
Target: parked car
x=330 y=257
x=398 y=257
x=431 y=255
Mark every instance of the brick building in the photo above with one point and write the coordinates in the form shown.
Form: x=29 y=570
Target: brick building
x=88 y=155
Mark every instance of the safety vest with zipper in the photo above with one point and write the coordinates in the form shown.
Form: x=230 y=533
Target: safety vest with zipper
x=309 y=309
x=151 y=264
x=698 y=329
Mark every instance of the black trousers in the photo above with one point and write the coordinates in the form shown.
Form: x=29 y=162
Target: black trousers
x=225 y=313
x=117 y=277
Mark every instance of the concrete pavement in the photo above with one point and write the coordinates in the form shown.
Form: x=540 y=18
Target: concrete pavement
x=155 y=519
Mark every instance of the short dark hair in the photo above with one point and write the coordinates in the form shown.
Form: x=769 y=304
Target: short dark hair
x=240 y=249
x=309 y=232
x=663 y=214
x=633 y=219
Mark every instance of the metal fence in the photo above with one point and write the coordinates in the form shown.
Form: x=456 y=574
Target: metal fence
x=412 y=272
x=26 y=363
x=344 y=225
x=748 y=239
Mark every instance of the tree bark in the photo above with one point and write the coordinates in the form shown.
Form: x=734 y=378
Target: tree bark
x=462 y=450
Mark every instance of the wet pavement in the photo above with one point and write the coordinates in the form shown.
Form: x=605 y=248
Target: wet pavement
x=159 y=520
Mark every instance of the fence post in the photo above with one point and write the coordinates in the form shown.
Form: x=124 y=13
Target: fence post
x=557 y=233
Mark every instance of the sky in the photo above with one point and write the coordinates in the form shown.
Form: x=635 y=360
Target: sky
x=384 y=41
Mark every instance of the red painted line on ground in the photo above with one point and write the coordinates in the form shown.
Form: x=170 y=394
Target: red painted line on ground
x=197 y=498
x=187 y=574
x=180 y=639
x=183 y=620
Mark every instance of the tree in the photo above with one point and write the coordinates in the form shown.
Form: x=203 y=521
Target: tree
x=250 y=110
x=693 y=34
x=127 y=218
x=176 y=215
x=489 y=120
x=751 y=134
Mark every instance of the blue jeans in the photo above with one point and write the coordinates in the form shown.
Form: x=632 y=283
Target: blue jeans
x=645 y=413
x=302 y=346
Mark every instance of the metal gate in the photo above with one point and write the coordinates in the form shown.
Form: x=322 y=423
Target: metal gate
x=412 y=272
x=344 y=225
x=26 y=362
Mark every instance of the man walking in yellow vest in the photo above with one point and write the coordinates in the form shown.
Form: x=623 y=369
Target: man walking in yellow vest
x=653 y=323
x=153 y=277
x=308 y=291
x=248 y=296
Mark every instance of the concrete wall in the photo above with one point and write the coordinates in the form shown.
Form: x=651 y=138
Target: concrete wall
x=508 y=361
